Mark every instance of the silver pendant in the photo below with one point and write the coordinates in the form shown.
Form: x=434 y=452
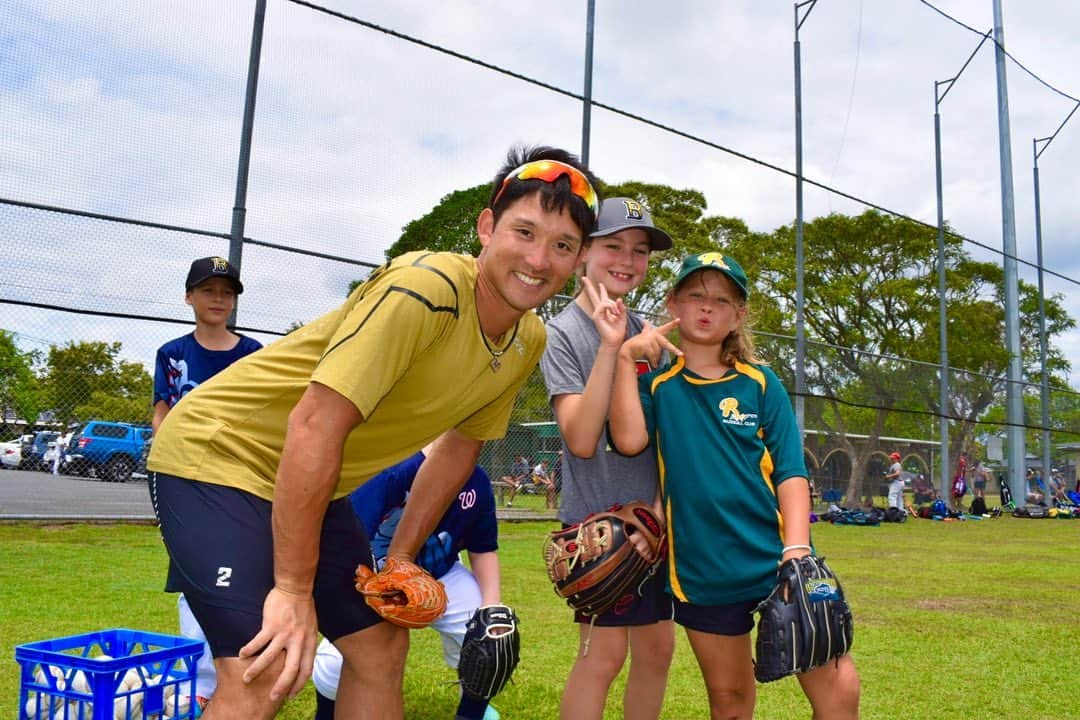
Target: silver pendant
x=495 y=364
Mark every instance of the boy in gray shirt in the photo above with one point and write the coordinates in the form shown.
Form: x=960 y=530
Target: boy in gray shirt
x=579 y=368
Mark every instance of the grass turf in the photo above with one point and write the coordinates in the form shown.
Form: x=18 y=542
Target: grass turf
x=973 y=619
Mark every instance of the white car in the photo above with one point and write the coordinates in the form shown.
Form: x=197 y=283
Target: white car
x=10 y=454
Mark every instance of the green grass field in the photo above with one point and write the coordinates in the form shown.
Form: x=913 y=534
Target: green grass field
x=972 y=619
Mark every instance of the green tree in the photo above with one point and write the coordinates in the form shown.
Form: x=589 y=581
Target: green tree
x=19 y=392
x=871 y=314
x=88 y=380
x=449 y=226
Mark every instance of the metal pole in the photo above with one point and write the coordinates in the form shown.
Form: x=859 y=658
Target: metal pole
x=1014 y=397
x=943 y=332
x=586 y=103
x=1045 y=385
x=1043 y=344
x=800 y=326
x=236 y=235
x=943 y=318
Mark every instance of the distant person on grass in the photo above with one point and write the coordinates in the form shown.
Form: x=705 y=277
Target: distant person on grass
x=263 y=456
x=211 y=289
x=520 y=470
x=895 y=476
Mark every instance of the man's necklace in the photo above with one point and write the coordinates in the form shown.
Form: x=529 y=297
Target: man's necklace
x=496 y=354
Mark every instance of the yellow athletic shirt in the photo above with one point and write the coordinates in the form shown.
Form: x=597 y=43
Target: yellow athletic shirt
x=405 y=348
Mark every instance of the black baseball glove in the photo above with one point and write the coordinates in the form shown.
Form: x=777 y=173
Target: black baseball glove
x=490 y=651
x=804 y=623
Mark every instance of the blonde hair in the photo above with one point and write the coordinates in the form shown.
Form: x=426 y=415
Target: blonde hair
x=738 y=346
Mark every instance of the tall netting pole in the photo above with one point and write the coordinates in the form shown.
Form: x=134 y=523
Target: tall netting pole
x=236 y=234
x=1014 y=393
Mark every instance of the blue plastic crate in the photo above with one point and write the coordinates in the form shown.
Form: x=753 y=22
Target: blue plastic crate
x=148 y=676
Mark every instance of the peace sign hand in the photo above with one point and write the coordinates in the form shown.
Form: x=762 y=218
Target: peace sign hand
x=608 y=315
x=651 y=343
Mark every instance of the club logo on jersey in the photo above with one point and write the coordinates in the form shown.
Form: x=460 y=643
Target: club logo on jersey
x=467 y=499
x=634 y=211
x=729 y=406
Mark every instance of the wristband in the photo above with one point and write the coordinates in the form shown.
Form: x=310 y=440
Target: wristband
x=796 y=547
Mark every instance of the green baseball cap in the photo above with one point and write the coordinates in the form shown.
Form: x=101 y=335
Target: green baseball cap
x=715 y=261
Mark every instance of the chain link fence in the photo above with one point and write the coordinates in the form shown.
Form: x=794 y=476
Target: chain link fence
x=120 y=135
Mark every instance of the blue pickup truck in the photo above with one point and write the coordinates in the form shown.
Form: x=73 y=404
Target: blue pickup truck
x=109 y=450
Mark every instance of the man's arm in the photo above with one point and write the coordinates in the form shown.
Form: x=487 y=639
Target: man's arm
x=443 y=473
x=306 y=478
x=485 y=566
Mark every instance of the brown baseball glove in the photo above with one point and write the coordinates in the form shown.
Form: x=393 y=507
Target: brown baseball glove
x=593 y=564
x=402 y=593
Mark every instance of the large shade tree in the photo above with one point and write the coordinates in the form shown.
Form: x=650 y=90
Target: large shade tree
x=871 y=315
x=871 y=312
x=89 y=380
x=19 y=392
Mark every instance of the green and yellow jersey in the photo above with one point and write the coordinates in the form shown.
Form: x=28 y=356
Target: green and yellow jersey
x=723 y=446
x=405 y=348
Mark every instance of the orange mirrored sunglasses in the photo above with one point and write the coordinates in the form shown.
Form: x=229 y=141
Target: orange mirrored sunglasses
x=549 y=171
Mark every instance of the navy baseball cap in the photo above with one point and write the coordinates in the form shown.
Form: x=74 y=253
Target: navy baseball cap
x=713 y=261
x=626 y=214
x=211 y=267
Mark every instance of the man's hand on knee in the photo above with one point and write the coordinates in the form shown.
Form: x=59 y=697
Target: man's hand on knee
x=289 y=626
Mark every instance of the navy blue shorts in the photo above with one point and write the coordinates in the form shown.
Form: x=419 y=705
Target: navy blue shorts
x=734 y=619
x=648 y=604
x=220 y=545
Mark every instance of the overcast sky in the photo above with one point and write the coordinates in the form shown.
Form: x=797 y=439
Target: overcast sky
x=134 y=108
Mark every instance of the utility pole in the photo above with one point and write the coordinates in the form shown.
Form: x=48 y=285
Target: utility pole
x=1014 y=387
x=800 y=324
x=236 y=235
x=586 y=103
x=943 y=317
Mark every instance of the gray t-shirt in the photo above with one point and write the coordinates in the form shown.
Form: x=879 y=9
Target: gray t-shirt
x=597 y=483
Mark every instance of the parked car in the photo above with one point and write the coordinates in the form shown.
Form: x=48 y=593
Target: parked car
x=11 y=454
x=108 y=450
x=33 y=450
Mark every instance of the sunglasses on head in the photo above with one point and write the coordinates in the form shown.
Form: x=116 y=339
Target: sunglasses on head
x=549 y=171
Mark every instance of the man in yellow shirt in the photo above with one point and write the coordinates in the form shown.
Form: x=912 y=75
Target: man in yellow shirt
x=251 y=472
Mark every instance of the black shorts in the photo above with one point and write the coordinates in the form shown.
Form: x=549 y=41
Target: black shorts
x=732 y=620
x=220 y=544
x=647 y=605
